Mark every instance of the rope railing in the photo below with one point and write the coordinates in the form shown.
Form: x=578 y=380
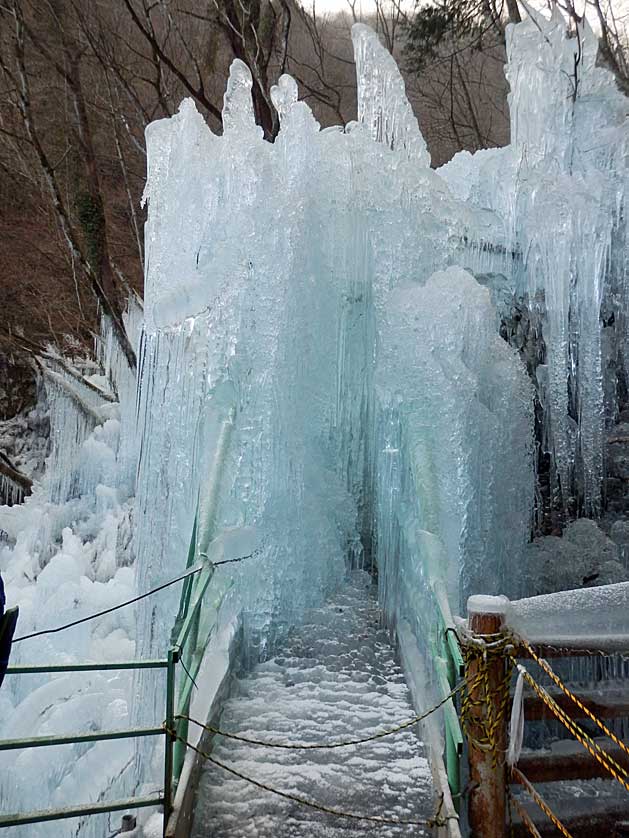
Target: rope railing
x=308 y=746
x=526 y=819
x=539 y=800
x=190 y=572
x=437 y=820
x=482 y=729
x=593 y=748
x=491 y=655
x=545 y=666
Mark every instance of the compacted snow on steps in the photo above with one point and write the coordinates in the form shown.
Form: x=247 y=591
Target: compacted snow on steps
x=334 y=678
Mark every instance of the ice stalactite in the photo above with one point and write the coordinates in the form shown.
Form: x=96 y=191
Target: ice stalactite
x=559 y=194
x=319 y=359
x=10 y=491
x=271 y=271
x=382 y=104
x=568 y=196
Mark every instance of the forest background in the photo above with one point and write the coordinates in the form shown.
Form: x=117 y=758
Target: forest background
x=81 y=79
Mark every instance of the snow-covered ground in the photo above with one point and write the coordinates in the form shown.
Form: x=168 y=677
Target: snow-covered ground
x=334 y=678
x=65 y=553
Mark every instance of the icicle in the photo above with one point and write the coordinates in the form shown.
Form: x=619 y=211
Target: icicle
x=382 y=104
x=238 y=114
x=516 y=726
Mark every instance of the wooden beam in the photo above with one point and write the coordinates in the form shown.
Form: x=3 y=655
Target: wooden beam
x=604 y=705
x=582 y=817
x=569 y=763
x=579 y=647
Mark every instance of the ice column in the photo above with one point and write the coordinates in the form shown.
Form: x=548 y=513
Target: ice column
x=568 y=135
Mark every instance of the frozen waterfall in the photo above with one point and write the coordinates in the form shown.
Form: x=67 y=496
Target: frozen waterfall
x=321 y=373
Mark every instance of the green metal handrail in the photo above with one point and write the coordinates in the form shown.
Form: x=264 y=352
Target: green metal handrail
x=442 y=638
x=191 y=632
x=450 y=669
x=164 y=798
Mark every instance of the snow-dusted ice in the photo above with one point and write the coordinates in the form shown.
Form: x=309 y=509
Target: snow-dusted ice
x=334 y=678
x=321 y=376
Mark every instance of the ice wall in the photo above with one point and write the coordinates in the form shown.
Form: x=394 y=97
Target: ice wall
x=455 y=451
x=65 y=553
x=320 y=361
x=559 y=190
x=371 y=411
x=291 y=297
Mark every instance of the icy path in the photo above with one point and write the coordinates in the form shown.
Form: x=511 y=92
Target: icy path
x=335 y=678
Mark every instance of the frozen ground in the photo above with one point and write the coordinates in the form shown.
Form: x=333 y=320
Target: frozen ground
x=334 y=678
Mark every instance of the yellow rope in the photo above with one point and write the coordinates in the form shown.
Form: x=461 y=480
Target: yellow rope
x=526 y=818
x=540 y=802
x=437 y=820
x=303 y=746
x=555 y=678
x=482 y=729
x=601 y=756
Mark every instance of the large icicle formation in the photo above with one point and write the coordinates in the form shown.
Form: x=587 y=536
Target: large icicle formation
x=289 y=295
x=313 y=370
x=321 y=376
x=558 y=192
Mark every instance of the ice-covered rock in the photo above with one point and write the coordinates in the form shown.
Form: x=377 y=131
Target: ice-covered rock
x=584 y=557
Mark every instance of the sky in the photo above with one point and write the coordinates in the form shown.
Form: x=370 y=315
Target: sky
x=366 y=7
x=363 y=7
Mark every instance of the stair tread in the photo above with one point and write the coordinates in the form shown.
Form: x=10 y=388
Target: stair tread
x=345 y=684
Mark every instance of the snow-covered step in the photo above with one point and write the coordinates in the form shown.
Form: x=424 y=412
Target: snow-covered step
x=335 y=678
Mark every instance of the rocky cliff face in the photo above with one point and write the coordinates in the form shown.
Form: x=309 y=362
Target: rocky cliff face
x=584 y=556
x=17 y=387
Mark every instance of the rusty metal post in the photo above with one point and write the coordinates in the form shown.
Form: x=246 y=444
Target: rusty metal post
x=129 y=823
x=487 y=802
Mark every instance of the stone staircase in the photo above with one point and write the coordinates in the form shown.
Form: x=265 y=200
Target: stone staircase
x=335 y=678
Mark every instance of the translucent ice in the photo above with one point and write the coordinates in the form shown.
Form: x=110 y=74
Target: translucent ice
x=559 y=191
x=297 y=340
x=321 y=380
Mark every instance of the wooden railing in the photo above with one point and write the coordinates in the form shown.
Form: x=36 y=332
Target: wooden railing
x=493 y=651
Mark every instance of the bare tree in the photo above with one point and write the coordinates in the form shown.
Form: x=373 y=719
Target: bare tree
x=257 y=33
x=612 y=22
x=56 y=51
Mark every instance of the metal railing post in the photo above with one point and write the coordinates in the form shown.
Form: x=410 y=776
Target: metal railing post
x=170 y=739
x=487 y=803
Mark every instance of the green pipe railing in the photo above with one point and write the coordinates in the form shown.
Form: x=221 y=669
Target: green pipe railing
x=439 y=623
x=450 y=669
x=79 y=811
x=189 y=648
x=162 y=799
x=192 y=633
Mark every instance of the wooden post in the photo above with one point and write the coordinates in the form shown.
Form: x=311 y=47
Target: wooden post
x=487 y=803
